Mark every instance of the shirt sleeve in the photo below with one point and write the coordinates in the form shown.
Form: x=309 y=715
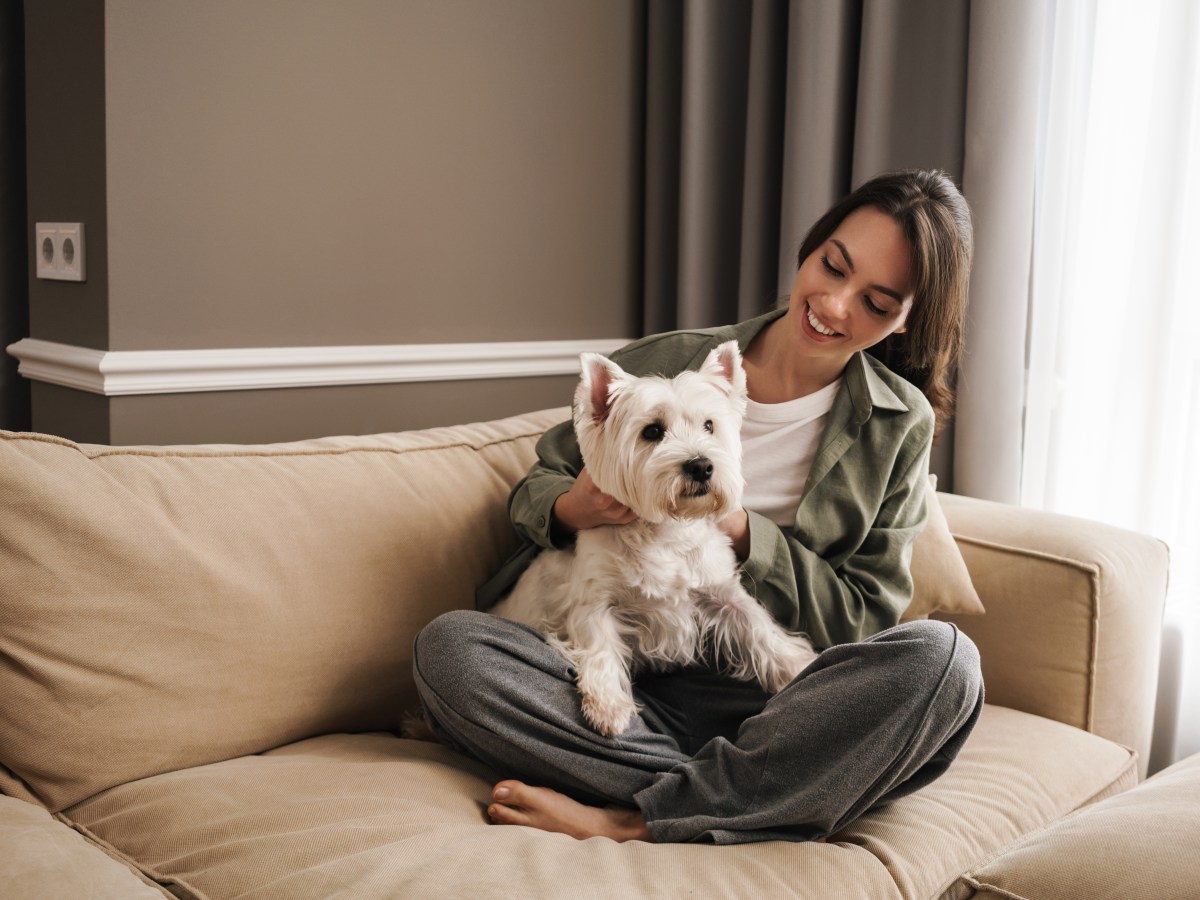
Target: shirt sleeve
x=531 y=502
x=840 y=598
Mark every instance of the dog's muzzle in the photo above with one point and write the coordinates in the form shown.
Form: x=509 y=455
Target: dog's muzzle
x=699 y=471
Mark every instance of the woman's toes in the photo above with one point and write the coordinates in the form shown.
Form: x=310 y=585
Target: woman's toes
x=505 y=815
x=508 y=808
x=506 y=791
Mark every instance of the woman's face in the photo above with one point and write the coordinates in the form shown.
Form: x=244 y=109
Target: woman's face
x=855 y=289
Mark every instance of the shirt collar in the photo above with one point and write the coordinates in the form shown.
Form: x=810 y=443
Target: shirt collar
x=867 y=389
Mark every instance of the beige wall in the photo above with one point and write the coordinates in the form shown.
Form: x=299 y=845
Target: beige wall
x=253 y=417
x=363 y=172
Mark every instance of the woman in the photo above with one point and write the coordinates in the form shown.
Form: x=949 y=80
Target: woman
x=836 y=450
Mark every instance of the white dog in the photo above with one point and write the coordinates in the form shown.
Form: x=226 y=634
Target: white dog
x=652 y=594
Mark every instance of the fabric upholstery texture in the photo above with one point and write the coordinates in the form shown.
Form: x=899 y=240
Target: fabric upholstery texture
x=1143 y=843
x=43 y=857
x=941 y=581
x=1074 y=618
x=242 y=596
x=203 y=649
x=239 y=567
x=409 y=815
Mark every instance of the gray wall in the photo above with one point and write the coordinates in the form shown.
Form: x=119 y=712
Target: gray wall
x=264 y=174
x=65 y=161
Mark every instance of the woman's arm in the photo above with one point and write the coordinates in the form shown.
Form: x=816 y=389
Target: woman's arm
x=531 y=502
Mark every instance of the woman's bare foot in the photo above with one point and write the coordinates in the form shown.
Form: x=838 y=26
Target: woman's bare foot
x=539 y=807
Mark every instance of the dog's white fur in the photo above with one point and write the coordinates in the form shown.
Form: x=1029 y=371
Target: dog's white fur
x=653 y=593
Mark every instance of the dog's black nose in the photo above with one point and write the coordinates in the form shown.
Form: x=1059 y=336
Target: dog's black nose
x=699 y=469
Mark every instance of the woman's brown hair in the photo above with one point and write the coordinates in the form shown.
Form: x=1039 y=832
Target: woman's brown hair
x=937 y=222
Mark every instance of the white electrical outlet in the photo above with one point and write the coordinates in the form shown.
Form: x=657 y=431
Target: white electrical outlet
x=59 y=250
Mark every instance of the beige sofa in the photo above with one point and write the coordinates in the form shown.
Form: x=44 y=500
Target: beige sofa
x=205 y=655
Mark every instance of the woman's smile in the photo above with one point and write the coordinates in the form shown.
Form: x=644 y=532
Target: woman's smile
x=820 y=331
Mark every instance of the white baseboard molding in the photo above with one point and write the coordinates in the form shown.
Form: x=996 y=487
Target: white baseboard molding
x=115 y=373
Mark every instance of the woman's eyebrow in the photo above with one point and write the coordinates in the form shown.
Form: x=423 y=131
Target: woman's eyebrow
x=895 y=295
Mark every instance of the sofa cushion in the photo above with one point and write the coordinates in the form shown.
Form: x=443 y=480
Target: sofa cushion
x=1074 y=621
x=1016 y=773
x=44 y=858
x=375 y=816
x=1143 y=843
x=163 y=608
x=941 y=582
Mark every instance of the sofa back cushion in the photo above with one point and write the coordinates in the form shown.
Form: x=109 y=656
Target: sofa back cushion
x=169 y=607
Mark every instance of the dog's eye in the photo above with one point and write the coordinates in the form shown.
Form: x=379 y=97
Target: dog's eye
x=653 y=432
x=708 y=426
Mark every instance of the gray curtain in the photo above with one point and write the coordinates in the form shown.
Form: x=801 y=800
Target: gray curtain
x=14 y=306
x=716 y=76
x=1003 y=105
x=759 y=115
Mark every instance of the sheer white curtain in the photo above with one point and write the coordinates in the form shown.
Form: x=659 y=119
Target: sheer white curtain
x=1112 y=415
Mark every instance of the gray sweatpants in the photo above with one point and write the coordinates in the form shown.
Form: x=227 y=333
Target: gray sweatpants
x=710 y=758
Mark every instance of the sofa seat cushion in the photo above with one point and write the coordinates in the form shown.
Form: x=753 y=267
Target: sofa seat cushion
x=1017 y=773
x=374 y=816
x=42 y=857
x=1143 y=843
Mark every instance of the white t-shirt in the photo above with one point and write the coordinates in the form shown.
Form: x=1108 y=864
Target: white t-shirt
x=779 y=441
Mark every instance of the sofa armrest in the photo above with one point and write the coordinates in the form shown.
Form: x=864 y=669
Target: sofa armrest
x=45 y=858
x=1074 y=616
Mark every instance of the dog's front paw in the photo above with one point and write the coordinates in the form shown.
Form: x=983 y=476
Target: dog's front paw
x=609 y=717
x=789 y=656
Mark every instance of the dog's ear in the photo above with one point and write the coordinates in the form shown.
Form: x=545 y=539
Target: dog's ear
x=594 y=395
x=724 y=362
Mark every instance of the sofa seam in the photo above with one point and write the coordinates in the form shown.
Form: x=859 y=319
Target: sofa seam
x=158 y=879
x=1094 y=654
x=343 y=451
x=1024 y=551
x=1131 y=762
x=223 y=454
x=1094 y=573
x=1080 y=807
x=977 y=885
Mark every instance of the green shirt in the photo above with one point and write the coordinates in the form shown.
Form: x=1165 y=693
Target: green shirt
x=840 y=573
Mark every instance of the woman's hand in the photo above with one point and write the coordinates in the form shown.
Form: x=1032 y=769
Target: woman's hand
x=736 y=526
x=586 y=506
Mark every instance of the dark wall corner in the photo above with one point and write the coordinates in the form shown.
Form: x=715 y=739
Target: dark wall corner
x=14 y=247
x=66 y=160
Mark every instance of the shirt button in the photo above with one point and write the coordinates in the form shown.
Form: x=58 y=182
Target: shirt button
x=541 y=521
